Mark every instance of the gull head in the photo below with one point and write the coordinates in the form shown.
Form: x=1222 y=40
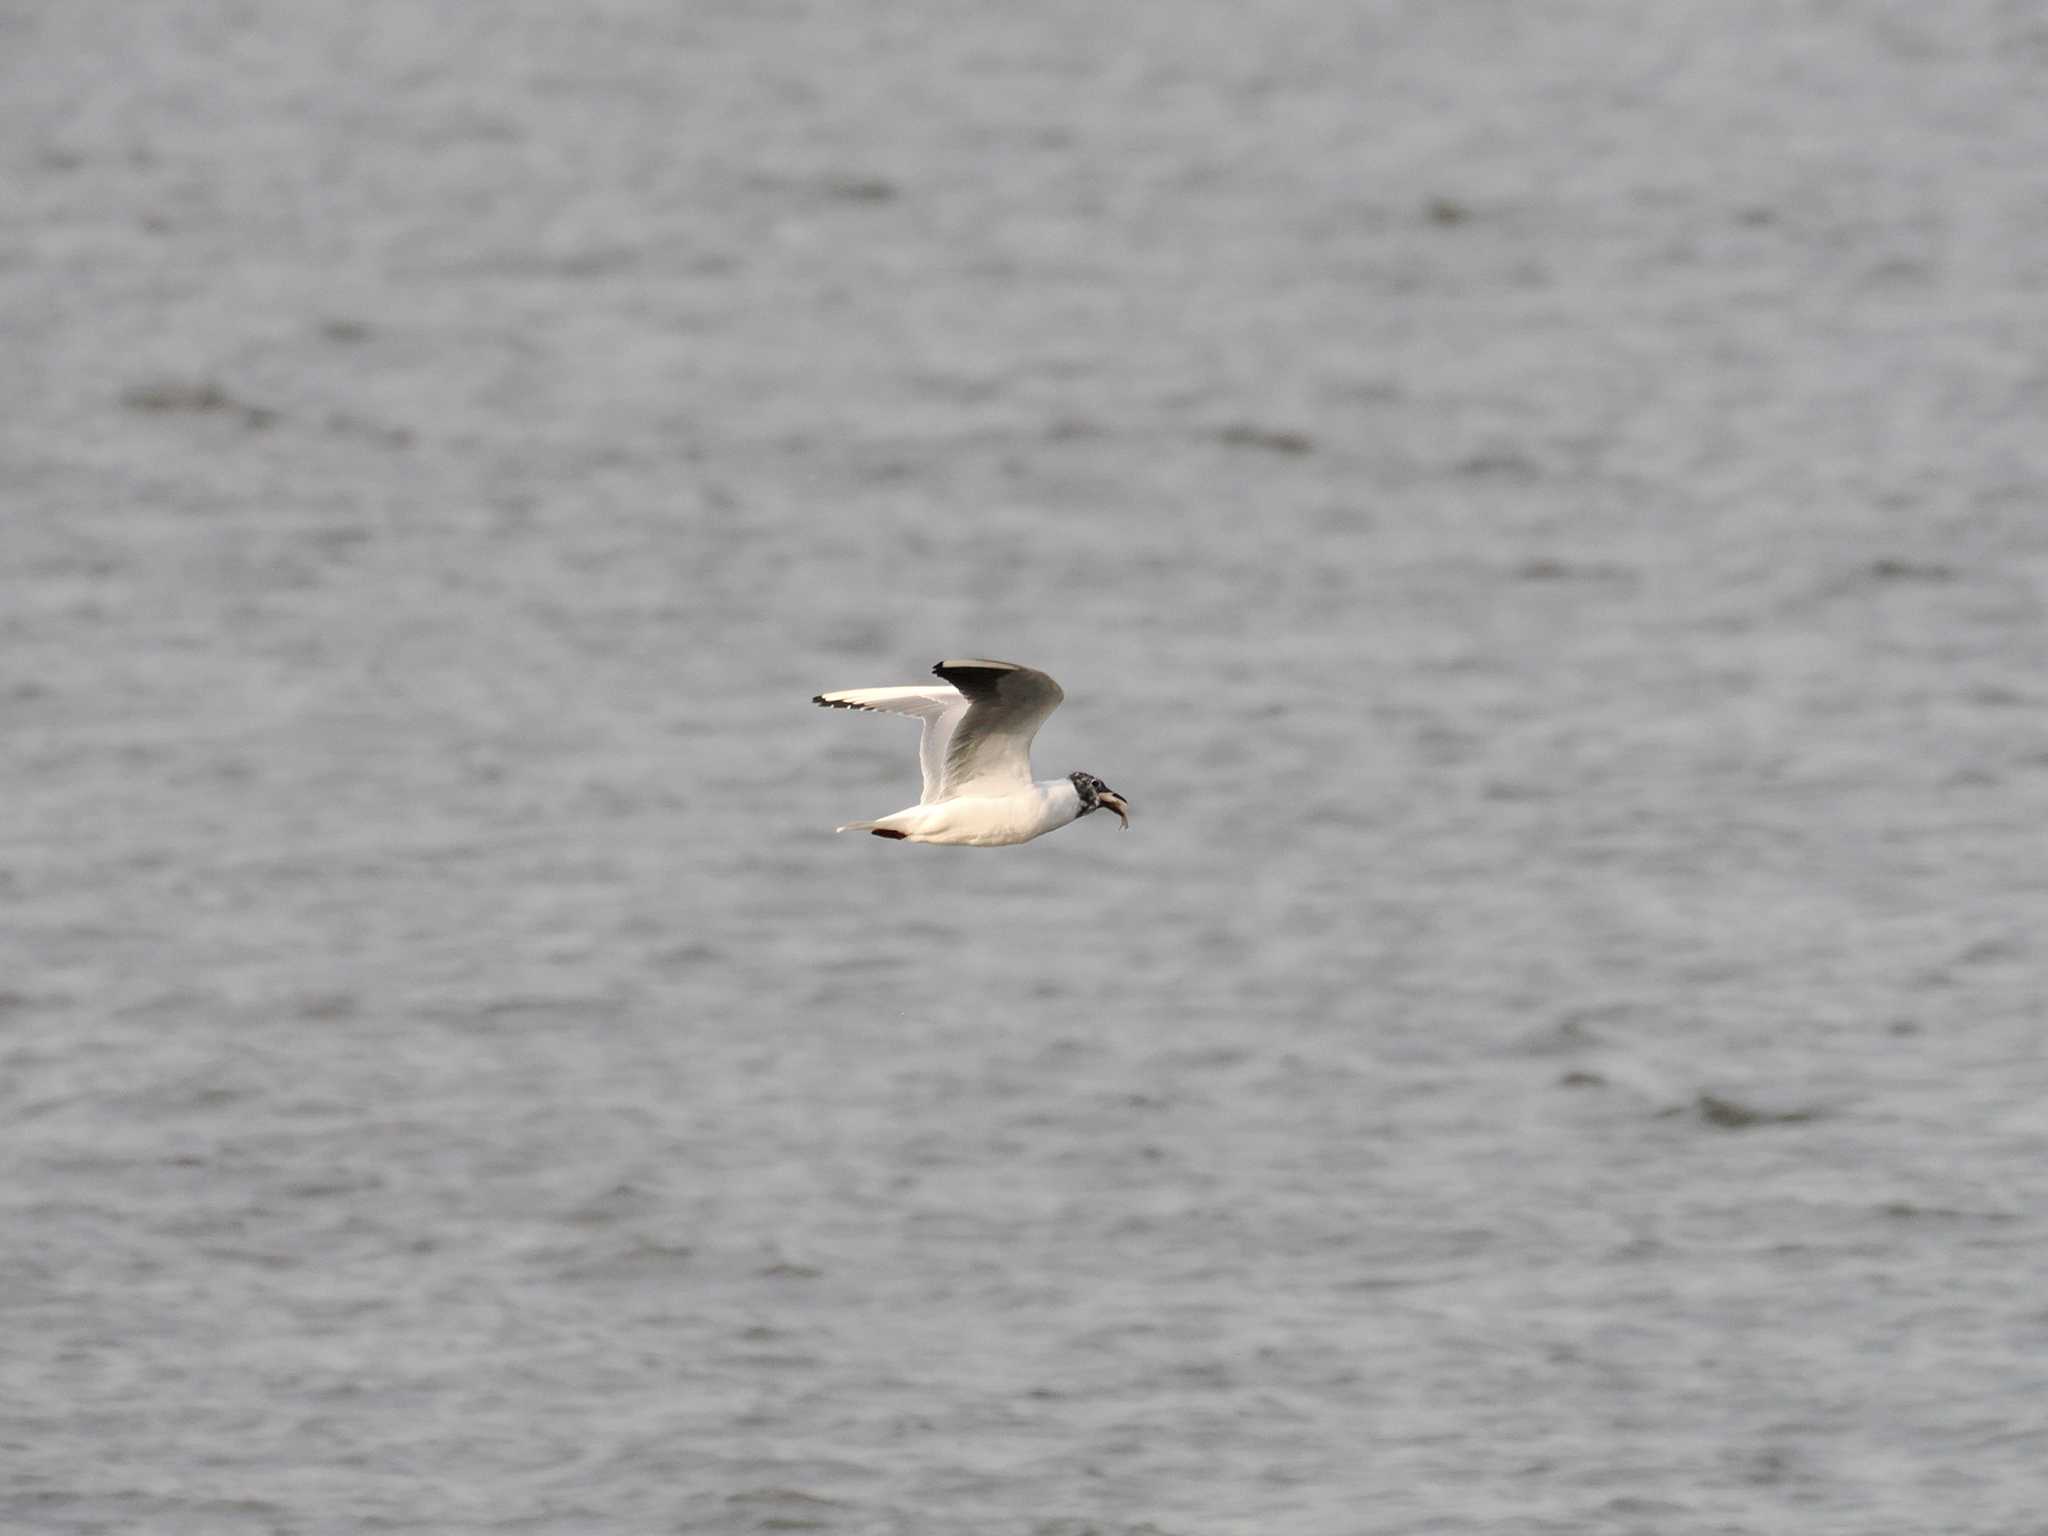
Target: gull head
x=1098 y=796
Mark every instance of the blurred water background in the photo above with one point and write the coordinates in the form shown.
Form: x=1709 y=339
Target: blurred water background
x=1539 y=507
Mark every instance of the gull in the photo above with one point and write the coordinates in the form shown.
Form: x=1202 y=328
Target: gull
x=979 y=719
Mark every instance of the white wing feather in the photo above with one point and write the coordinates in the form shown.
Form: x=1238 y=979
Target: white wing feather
x=939 y=705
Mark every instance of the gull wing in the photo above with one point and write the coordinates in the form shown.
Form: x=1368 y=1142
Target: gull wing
x=990 y=749
x=939 y=705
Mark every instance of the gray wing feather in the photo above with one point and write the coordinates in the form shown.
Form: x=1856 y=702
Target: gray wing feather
x=990 y=750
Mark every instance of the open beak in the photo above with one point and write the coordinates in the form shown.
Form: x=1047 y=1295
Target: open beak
x=1110 y=800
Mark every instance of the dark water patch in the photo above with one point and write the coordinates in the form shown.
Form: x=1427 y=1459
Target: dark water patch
x=1498 y=464
x=331 y=1187
x=1446 y=212
x=563 y=1009
x=784 y=1509
x=1907 y=1210
x=345 y=331
x=1550 y=568
x=1582 y=1079
x=591 y=1253
x=173 y=1003
x=888 y=470
x=1654 y=1512
x=861 y=189
x=1281 y=440
x=689 y=955
x=1896 y=569
x=1204 y=1375
x=621 y=1202
x=1516 y=791
x=1998 y=696
x=328 y=1007
x=2001 y=950
x=1898 y=272
x=775 y=1493
x=767 y=1360
x=272 y=1260
x=1343 y=521
x=635 y=1259
x=1768 y=1467
x=273 y=1516
x=194 y=397
x=1574 y=1031
x=344 y=424
x=1728 y=1114
x=600 y=261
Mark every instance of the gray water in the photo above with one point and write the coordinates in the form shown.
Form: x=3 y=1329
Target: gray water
x=1539 y=508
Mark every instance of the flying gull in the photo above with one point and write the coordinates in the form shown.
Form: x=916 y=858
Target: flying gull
x=978 y=723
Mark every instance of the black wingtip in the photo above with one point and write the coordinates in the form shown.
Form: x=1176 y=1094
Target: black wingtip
x=976 y=677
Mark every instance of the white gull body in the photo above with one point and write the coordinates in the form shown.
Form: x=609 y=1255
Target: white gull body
x=979 y=719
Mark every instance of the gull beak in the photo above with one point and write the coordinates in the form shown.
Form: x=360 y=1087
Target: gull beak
x=1110 y=800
